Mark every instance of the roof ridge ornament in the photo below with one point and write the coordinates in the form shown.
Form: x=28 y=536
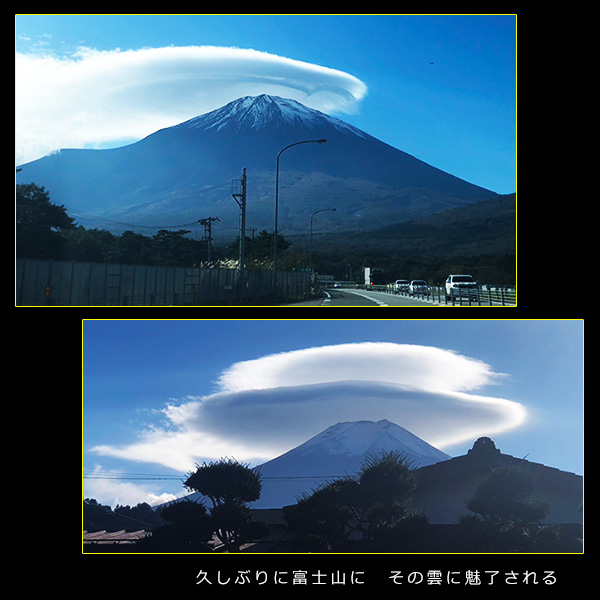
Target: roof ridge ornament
x=484 y=445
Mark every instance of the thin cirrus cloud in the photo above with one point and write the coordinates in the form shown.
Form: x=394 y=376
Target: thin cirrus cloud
x=267 y=406
x=94 y=98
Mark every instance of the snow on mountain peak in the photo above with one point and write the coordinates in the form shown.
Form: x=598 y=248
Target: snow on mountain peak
x=338 y=451
x=361 y=438
x=342 y=448
x=261 y=112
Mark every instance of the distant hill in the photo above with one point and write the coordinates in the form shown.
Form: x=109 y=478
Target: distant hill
x=487 y=227
x=479 y=238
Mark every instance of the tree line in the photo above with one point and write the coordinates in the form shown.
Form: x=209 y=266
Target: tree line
x=45 y=230
x=368 y=512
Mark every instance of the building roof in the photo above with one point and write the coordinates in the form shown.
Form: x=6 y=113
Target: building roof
x=115 y=537
x=445 y=487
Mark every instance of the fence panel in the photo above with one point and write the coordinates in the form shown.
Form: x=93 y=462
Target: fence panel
x=68 y=283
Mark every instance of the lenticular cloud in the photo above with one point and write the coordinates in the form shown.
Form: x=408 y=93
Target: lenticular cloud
x=293 y=395
x=422 y=367
x=102 y=97
x=267 y=406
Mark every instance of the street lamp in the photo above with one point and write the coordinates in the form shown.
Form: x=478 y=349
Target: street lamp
x=311 y=233
x=277 y=200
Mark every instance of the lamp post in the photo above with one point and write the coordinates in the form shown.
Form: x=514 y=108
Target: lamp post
x=311 y=233
x=322 y=141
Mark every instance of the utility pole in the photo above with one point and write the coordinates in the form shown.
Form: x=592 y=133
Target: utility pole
x=241 y=202
x=207 y=223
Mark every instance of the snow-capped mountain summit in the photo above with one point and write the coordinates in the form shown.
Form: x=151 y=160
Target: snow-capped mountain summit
x=342 y=448
x=338 y=451
x=262 y=112
x=181 y=174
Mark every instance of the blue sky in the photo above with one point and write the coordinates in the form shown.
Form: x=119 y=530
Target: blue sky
x=440 y=87
x=158 y=393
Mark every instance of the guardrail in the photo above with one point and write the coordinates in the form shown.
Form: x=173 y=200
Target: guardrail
x=487 y=295
x=482 y=296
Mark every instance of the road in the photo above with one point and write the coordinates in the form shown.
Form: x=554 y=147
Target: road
x=345 y=297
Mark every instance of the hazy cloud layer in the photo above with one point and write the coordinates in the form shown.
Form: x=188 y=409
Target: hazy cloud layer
x=270 y=405
x=99 y=97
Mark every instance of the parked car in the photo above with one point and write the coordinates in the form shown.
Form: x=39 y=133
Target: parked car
x=417 y=286
x=401 y=285
x=461 y=285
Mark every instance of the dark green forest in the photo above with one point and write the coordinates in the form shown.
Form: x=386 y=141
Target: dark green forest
x=479 y=240
x=44 y=230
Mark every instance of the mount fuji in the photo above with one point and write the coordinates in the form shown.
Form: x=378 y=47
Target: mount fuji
x=337 y=451
x=182 y=174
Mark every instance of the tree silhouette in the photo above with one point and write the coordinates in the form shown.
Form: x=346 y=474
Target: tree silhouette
x=367 y=512
x=508 y=516
x=262 y=245
x=188 y=529
x=39 y=223
x=230 y=486
x=505 y=497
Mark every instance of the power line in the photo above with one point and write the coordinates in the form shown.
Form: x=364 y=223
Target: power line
x=123 y=516
x=132 y=476
x=104 y=221
x=99 y=219
x=144 y=477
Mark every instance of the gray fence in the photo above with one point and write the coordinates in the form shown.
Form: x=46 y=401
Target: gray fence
x=67 y=283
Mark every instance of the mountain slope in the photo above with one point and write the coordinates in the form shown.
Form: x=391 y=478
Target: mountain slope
x=342 y=448
x=181 y=174
x=338 y=451
x=481 y=228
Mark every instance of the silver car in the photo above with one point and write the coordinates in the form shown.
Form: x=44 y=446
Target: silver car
x=417 y=286
x=401 y=285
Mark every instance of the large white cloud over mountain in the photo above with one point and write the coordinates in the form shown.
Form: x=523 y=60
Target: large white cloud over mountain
x=100 y=97
x=423 y=367
x=267 y=406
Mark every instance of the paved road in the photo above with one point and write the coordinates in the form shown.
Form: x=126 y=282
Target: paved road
x=344 y=297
